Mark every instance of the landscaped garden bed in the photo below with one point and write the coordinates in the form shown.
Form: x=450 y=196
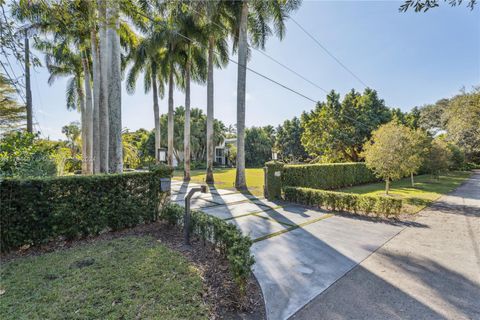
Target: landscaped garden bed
x=142 y=272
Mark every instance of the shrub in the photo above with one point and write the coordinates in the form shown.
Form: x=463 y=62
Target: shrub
x=339 y=201
x=327 y=176
x=38 y=210
x=223 y=235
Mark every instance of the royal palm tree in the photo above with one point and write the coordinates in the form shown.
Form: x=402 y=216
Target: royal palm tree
x=147 y=58
x=251 y=20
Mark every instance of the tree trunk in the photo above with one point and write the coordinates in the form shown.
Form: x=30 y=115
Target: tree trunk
x=88 y=118
x=186 y=141
x=170 y=117
x=83 y=124
x=387 y=186
x=240 y=181
x=96 y=102
x=210 y=117
x=115 y=152
x=103 y=101
x=156 y=113
x=28 y=90
x=411 y=179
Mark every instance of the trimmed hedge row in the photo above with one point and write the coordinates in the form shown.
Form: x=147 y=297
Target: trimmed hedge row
x=327 y=176
x=223 y=235
x=340 y=201
x=35 y=211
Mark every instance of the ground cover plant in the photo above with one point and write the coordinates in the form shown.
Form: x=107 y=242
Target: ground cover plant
x=130 y=278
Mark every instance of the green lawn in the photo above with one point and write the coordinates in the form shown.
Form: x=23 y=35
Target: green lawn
x=225 y=178
x=128 y=278
x=427 y=189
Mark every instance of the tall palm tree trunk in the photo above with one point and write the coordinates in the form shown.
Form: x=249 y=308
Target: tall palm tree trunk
x=115 y=152
x=240 y=181
x=170 y=117
x=186 y=142
x=88 y=118
x=96 y=103
x=210 y=101
x=156 y=113
x=28 y=90
x=83 y=123
x=103 y=101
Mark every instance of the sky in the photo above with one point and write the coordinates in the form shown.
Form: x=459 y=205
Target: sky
x=411 y=59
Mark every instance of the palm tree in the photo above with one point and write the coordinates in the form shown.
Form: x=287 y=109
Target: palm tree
x=212 y=13
x=259 y=13
x=115 y=158
x=147 y=58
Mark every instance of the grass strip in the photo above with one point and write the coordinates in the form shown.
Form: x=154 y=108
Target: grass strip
x=253 y=213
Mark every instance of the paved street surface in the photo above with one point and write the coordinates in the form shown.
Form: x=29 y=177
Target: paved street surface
x=431 y=271
x=299 y=252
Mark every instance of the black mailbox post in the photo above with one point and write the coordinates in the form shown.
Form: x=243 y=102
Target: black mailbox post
x=186 y=218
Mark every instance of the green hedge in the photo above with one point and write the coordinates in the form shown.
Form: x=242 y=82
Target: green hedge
x=339 y=201
x=273 y=186
x=223 y=235
x=327 y=176
x=35 y=211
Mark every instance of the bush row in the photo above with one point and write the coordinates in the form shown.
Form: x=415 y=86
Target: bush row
x=327 y=176
x=340 y=201
x=224 y=236
x=35 y=211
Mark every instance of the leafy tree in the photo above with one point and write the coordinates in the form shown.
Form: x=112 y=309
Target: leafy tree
x=419 y=143
x=438 y=158
x=258 y=146
x=22 y=155
x=389 y=153
x=288 y=141
x=12 y=114
x=72 y=131
x=337 y=130
x=462 y=122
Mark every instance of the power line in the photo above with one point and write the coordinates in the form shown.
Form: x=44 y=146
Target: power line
x=270 y=57
x=328 y=52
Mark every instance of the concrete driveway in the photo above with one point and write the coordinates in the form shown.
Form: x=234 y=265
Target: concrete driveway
x=299 y=252
x=426 y=272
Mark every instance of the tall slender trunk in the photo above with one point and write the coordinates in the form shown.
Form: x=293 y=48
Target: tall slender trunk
x=240 y=181
x=28 y=90
x=210 y=117
x=83 y=124
x=170 y=117
x=96 y=102
x=186 y=137
x=387 y=186
x=411 y=179
x=103 y=101
x=115 y=151
x=156 y=113
x=88 y=118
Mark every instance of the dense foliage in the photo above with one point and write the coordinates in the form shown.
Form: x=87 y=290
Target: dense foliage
x=22 y=154
x=258 y=145
x=327 y=176
x=335 y=130
x=12 y=114
x=37 y=210
x=288 y=142
x=273 y=187
x=340 y=201
x=223 y=235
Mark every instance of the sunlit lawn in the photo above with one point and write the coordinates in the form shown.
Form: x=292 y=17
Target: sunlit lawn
x=225 y=178
x=129 y=278
x=427 y=189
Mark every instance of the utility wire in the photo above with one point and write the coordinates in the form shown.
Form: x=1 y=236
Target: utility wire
x=269 y=56
x=328 y=52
